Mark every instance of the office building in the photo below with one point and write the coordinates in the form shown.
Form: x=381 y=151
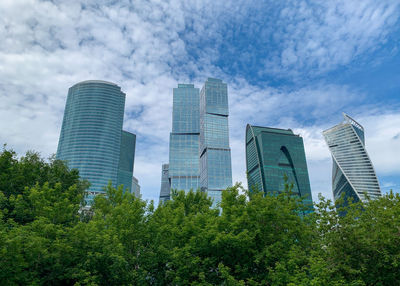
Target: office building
x=135 y=187
x=165 y=192
x=126 y=159
x=199 y=154
x=215 y=153
x=353 y=174
x=184 y=170
x=271 y=155
x=92 y=139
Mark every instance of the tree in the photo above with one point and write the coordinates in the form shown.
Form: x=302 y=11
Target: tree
x=359 y=248
x=251 y=239
x=261 y=241
x=21 y=181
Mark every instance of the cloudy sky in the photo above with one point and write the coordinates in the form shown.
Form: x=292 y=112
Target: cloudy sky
x=288 y=64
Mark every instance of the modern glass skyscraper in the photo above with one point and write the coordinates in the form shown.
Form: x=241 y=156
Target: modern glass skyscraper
x=165 y=184
x=135 y=187
x=215 y=154
x=273 y=153
x=126 y=158
x=184 y=172
x=91 y=138
x=352 y=174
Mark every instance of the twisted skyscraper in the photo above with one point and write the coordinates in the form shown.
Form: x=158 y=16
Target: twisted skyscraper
x=352 y=174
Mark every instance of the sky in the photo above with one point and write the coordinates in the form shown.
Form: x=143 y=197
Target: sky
x=288 y=64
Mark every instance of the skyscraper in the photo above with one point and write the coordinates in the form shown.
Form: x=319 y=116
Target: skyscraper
x=273 y=153
x=215 y=154
x=136 y=187
x=165 y=184
x=184 y=170
x=126 y=159
x=352 y=173
x=91 y=138
x=199 y=154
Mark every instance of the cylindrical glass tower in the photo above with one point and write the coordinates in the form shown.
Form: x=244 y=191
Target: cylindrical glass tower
x=90 y=136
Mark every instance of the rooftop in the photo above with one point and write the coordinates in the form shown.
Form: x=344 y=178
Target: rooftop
x=347 y=120
x=96 y=81
x=259 y=129
x=185 y=85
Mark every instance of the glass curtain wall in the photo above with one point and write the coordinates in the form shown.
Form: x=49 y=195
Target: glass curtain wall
x=91 y=135
x=353 y=174
x=273 y=154
x=184 y=170
x=215 y=153
x=126 y=160
x=165 y=184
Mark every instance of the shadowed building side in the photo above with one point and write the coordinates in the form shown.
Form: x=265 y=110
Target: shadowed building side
x=165 y=192
x=126 y=160
x=272 y=154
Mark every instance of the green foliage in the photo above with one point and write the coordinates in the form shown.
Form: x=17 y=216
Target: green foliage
x=252 y=239
x=31 y=187
x=360 y=248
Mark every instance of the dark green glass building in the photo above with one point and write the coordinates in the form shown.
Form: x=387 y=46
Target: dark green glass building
x=272 y=154
x=126 y=159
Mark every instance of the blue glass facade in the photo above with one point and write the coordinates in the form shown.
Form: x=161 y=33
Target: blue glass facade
x=273 y=153
x=353 y=174
x=215 y=154
x=91 y=134
x=165 y=184
x=184 y=169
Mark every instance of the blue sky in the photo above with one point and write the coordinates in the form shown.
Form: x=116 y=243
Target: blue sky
x=288 y=64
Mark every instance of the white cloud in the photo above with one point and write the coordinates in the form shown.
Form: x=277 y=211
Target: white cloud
x=49 y=46
x=383 y=142
x=149 y=46
x=321 y=35
x=309 y=111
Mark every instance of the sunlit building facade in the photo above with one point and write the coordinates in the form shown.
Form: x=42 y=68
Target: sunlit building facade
x=215 y=153
x=92 y=139
x=353 y=175
x=273 y=154
x=184 y=172
x=136 y=187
